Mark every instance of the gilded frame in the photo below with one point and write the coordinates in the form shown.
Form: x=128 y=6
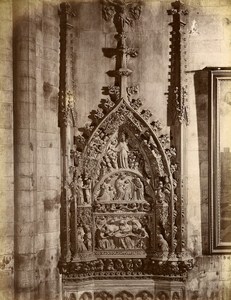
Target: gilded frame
x=220 y=161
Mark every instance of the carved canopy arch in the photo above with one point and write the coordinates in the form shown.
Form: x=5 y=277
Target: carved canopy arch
x=105 y=140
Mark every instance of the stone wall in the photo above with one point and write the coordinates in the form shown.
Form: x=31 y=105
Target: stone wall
x=34 y=239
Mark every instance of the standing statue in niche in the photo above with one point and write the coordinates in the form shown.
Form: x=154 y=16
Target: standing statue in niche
x=79 y=188
x=88 y=238
x=122 y=149
x=87 y=190
x=80 y=239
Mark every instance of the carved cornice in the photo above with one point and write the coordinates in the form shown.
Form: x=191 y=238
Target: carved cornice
x=123 y=268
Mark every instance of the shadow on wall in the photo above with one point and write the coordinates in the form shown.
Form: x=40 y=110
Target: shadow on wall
x=201 y=80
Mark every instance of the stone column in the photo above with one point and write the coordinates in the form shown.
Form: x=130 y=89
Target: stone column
x=6 y=153
x=25 y=148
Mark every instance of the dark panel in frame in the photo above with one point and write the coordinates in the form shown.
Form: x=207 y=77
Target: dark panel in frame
x=220 y=161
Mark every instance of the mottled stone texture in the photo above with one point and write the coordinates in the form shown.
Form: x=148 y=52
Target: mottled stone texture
x=37 y=161
x=6 y=154
x=29 y=133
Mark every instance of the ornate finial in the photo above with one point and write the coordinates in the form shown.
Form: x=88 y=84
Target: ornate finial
x=123 y=12
x=177 y=8
x=65 y=8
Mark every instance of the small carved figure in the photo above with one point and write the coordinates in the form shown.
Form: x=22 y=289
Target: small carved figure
x=119 y=265
x=72 y=296
x=129 y=265
x=147 y=296
x=87 y=189
x=163 y=245
x=86 y=296
x=80 y=239
x=106 y=191
x=137 y=264
x=109 y=266
x=119 y=186
x=103 y=296
x=175 y=296
x=160 y=194
x=162 y=296
x=124 y=296
x=138 y=189
x=128 y=189
x=112 y=153
x=167 y=185
x=123 y=236
x=123 y=150
x=140 y=235
x=103 y=240
x=79 y=188
x=99 y=265
x=106 y=235
x=144 y=296
x=88 y=238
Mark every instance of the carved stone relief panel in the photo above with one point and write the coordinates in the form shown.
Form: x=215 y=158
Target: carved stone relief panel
x=118 y=232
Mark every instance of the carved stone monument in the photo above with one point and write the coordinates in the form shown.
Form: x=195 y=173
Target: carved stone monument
x=120 y=198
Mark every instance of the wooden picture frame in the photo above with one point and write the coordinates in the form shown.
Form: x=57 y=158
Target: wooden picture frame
x=220 y=161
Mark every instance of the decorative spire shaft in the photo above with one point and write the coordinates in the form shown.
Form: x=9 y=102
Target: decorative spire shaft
x=178 y=119
x=66 y=118
x=123 y=13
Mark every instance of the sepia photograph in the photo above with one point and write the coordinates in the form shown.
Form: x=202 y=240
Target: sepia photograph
x=115 y=150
